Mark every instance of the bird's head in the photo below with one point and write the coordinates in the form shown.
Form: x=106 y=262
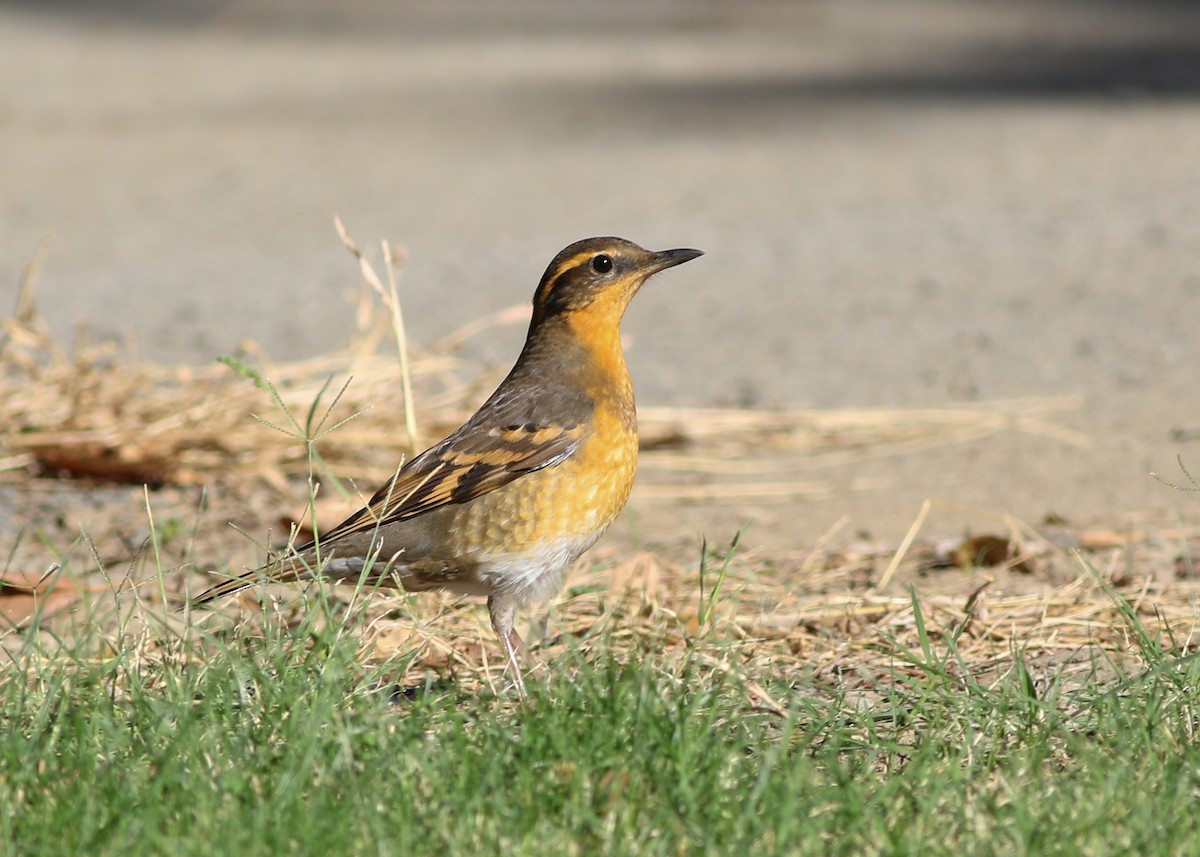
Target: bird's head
x=597 y=277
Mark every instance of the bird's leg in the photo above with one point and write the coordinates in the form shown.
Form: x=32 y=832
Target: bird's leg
x=515 y=642
x=503 y=614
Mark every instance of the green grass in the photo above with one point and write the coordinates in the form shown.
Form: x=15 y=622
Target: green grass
x=281 y=742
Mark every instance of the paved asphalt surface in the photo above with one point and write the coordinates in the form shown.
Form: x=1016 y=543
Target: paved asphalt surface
x=903 y=203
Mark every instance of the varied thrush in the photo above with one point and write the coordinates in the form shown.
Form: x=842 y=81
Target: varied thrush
x=503 y=505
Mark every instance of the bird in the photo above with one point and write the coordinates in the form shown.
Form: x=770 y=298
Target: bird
x=507 y=502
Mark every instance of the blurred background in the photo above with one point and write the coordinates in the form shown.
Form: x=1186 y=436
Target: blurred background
x=903 y=203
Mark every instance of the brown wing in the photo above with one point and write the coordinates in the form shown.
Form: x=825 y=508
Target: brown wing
x=461 y=468
x=511 y=435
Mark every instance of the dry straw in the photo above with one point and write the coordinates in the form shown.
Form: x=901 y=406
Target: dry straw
x=96 y=414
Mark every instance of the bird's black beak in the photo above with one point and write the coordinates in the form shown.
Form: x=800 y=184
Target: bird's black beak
x=670 y=258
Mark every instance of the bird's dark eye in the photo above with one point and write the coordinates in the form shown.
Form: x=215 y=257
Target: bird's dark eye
x=601 y=264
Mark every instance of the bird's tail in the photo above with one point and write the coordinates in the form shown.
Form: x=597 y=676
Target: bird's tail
x=286 y=570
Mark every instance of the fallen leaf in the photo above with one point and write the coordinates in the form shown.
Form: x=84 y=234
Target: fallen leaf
x=24 y=596
x=125 y=464
x=986 y=551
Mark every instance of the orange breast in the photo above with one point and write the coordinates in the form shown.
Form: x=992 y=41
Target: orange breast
x=578 y=498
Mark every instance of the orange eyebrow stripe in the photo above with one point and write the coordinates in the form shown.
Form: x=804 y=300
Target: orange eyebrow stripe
x=574 y=262
x=566 y=265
